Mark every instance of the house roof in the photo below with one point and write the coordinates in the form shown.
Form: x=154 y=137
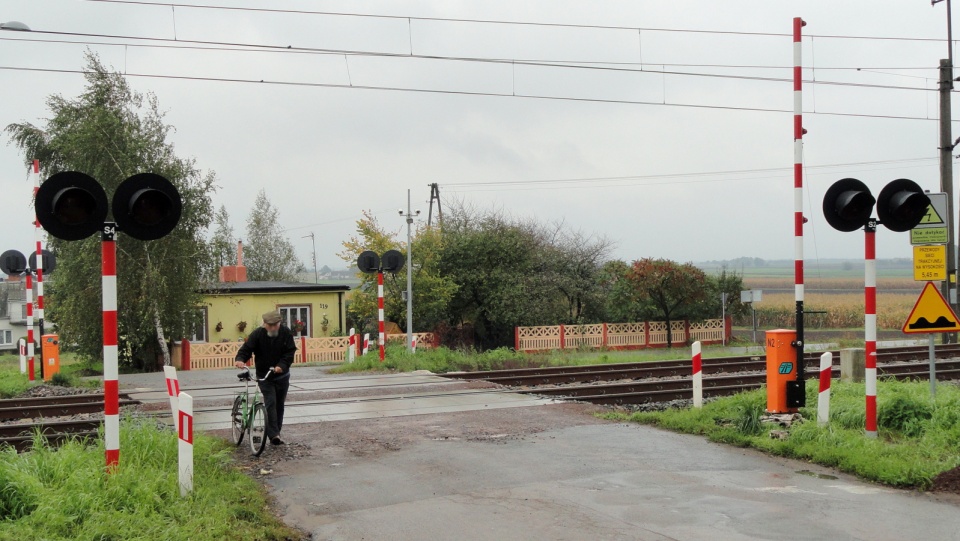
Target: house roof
x=224 y=288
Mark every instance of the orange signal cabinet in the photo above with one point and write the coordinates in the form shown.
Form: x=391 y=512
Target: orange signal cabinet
x=50 y=355
x=781 y=368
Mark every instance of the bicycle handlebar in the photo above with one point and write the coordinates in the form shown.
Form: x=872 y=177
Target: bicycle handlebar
x=244 y=375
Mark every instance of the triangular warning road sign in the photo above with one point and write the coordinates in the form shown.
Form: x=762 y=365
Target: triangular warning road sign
x=932 y=216
x=931 y=314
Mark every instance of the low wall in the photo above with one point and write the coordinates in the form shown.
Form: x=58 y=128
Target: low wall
x=327 y=349
x=649 y=334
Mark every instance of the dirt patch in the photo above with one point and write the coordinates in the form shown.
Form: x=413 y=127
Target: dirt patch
x=948 y=481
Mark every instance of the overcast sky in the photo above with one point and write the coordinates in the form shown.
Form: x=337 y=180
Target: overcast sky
x=607 y=116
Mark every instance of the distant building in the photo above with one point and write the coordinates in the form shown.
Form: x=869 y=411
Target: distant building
x=13 y=313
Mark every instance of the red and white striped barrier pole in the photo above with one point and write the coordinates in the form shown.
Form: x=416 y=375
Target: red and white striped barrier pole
x=380 y=340
x=697 y=376
x=352 y=349
x=173 y=391
x=38 y=236
x=28 y=297
x=823 y=399
x=870 y=324
x=111 y=383
x=798 y=218
x=23 y=355
x=185 y=443
x=366 y=344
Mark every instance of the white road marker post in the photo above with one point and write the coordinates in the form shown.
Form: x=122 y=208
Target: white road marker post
x=366 y=344
x=173 y=391
x=185 y=450
x=352 y=349
x=697 y=376
x=23 y=355
x=823 y=399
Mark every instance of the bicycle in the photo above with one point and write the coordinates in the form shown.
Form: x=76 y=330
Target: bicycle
x=249 y=416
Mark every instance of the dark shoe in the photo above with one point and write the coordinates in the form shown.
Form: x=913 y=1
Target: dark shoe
x=277 y=441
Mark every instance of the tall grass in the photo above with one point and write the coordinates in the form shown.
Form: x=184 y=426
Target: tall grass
x=65 y=493
x=918 y=437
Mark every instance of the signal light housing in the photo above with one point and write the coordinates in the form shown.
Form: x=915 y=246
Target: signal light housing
x=393 y=261
x=13 y=263
x=901 y=205
x=368 y=262
x=71 y=205
x=146 y=206
x=47 y=258
x=847 y=205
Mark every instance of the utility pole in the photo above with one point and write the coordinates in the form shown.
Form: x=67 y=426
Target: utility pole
x=946 y=167
x=409 y=216
x=316 y=275
x=434 y=194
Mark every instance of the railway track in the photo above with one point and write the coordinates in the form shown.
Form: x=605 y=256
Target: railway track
x=615 y=384
x=664 y=381
x=21 y=419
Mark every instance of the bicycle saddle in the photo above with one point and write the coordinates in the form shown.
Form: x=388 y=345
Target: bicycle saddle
x=244 y=376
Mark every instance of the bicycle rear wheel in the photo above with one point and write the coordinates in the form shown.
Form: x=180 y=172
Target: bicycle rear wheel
x=258 y=429
x=236 y=419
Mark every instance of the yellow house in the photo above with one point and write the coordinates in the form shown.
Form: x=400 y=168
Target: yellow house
x=231 y=310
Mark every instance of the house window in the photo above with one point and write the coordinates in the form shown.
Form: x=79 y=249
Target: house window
x=198 y=332
x=6 y=339
x=293 y=314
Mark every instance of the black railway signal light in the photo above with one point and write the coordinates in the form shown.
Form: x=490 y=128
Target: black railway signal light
x=848 y=204
x=901 y=205
x=13 y=263
x=393 y=261
x=368 y=262
x=72 y=206
x=48 y=259
x=146 y=206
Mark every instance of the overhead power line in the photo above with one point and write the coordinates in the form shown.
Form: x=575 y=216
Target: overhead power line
x=663 y=103
x=499 y=21
x=243 y=47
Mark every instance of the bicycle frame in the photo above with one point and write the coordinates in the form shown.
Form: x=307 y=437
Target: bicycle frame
x=245 y=412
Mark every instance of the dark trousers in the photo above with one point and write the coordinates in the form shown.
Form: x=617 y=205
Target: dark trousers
x=274 y=395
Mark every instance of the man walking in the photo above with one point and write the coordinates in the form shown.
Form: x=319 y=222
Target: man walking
x=272 y=347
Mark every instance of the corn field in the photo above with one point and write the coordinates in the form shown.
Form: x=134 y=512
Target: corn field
x=895 y=300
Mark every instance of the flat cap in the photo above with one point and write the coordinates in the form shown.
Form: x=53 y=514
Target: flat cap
x=271 y=318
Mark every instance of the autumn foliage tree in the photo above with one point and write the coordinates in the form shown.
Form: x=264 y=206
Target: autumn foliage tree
x=674 y=291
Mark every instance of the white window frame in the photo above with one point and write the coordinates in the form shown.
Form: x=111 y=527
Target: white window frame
x=293 y=312
x=202 y=326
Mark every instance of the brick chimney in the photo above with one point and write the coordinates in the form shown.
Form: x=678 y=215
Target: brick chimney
x=235 y=273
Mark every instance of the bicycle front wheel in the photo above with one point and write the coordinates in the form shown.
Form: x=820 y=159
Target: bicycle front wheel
x=258 y=429
x=236 y=419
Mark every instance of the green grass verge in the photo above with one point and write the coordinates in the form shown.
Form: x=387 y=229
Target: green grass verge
x=65 y=493
x=918 y=437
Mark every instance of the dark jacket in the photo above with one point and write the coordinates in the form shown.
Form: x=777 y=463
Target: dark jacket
x=268 y=352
